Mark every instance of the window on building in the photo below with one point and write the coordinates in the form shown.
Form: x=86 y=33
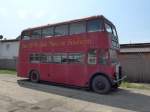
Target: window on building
x=92 y=56
x=75 y=58
x=94 y=25
x=48 y=32
x=77 y=28
x=25 y=35
x=36 y=34
x=61 y=30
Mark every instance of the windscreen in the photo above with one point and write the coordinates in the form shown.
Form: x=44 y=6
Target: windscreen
x=112 y=31
x=113 y=56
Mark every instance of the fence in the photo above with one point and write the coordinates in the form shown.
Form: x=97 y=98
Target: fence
x=8 y=63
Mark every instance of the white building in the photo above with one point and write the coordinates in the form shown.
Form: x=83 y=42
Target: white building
x=8 y=53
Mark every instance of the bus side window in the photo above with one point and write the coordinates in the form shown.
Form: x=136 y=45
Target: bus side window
x=36 y=34
x=103 y=57
x=49 y=58
x=92 y=56
x=26 y=35
x=75 y=58
x=43 y=58
x=60 y=58
x=48 y=32
x=61 y=30
x=94 y=25
x=77 y=28
x=35 y=58
x=46 y=58
x=64 y=58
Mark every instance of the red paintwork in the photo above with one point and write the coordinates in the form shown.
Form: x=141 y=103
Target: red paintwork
x=72 y=74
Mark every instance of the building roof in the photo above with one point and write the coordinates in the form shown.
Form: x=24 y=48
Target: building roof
x=135 y=48
x=10 y=40
x=135 y=45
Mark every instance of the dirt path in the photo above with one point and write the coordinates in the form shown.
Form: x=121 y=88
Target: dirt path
x=17 y=95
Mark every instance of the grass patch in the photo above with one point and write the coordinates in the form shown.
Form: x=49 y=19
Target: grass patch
x=8 y=71
x=135 y=85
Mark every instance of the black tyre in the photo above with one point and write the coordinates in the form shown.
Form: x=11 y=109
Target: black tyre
x=101 y=85
x=34 y=76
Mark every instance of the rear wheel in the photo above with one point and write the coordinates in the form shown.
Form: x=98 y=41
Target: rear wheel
x=34 y=76
x=101 y=84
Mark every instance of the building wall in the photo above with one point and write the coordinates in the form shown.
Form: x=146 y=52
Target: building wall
x=136 y=66
x=9 y=50
x=9 y=54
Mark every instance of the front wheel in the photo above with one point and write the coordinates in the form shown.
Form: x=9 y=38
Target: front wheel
x=101 y=85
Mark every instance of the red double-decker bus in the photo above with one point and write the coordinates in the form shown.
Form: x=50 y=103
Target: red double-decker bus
x=81 y=52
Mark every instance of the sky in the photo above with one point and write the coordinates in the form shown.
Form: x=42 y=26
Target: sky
x=131 y=17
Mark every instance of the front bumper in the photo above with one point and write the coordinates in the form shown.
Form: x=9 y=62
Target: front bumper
x=119 y=80
x=118 y=75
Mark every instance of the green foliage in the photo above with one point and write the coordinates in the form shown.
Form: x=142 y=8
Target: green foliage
x=8 y=71
x=135 y=85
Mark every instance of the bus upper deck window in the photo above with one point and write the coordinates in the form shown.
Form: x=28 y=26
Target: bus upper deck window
x=25 y=35
x=61 y=30
x=108 y=28
x=77 y=28
x=48 y=32
x=36 y=34
x=94 y=25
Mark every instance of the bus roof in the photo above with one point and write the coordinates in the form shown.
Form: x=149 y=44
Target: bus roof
x=71 y=21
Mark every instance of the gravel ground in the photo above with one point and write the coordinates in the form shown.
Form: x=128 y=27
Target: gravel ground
x=19 y=95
